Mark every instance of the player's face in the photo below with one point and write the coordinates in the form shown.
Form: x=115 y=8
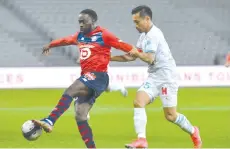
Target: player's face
x=140 y=22
x=85 y=23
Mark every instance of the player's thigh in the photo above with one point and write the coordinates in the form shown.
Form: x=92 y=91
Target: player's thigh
x=82 y=106
x=146 y=93
x=77 y=88
x=168 y=95
x=97 y=82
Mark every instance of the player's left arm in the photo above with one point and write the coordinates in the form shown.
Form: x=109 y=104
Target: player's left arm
x=112 y=41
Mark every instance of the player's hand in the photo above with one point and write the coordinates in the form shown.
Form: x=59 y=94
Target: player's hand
x=134 y=52
x=46 y=50
x=227 y=64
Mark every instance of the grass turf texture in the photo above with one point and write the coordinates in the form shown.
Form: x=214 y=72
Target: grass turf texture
x=112 y=119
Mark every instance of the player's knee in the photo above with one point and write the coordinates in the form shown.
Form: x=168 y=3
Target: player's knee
x=142 y=99
x=139 y=103
x=79 y=116
x=171 y=116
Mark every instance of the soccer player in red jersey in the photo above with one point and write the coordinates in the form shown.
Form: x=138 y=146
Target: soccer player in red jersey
x=95 y=44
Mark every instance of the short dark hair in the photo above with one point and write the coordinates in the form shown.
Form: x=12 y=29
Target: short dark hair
x=91 y=13
x=144 y=11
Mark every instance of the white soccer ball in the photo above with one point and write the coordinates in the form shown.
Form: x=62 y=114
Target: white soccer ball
x=30 y=131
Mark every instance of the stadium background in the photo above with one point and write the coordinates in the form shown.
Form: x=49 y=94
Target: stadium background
x=198 y=34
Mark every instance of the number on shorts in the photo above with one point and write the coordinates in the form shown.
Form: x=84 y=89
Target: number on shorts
x=147 y=85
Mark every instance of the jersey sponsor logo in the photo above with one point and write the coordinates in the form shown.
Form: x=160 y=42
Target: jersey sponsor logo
x=148 y=42
x=85 y=53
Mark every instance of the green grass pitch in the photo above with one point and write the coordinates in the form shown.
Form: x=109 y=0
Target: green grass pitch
x=112 y=119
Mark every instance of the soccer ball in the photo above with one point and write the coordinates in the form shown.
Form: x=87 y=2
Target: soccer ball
x=30 y=131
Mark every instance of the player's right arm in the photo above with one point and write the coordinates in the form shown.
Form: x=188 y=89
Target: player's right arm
x=150 y=49
x=112 y=41
x=69 y=40
x=122 y=58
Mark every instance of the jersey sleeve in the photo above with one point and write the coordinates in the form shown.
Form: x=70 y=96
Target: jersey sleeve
x=112 y=41
x=151 y=45
x=69 y=40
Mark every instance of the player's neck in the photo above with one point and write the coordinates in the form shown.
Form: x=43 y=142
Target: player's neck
x=94 y=27
x=149 y=27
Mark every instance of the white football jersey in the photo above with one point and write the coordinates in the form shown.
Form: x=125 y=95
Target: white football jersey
x=164 y=67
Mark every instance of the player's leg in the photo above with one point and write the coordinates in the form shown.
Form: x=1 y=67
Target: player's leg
x=82 y=108
x=168 y=96
x=117 y=87
x=144 y=96
x=75 y=99
x=76 y=89
x=97 y=85
x=112 y=88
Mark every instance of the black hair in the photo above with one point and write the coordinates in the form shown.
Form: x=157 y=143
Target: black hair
x=144 y=11
x=91 y=13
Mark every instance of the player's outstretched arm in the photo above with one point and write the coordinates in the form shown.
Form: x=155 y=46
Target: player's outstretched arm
x=122 y=58
x=69 y=40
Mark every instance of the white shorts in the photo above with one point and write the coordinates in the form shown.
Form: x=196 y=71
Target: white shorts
x=166 y=91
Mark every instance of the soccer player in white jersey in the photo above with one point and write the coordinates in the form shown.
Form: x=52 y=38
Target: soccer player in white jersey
x=161 y=80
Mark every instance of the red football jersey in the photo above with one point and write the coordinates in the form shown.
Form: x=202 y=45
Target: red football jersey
x=94 y=48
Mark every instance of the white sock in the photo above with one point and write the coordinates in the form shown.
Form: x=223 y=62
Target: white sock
x=114 y=87
x=140 y=121
x=184 y=124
